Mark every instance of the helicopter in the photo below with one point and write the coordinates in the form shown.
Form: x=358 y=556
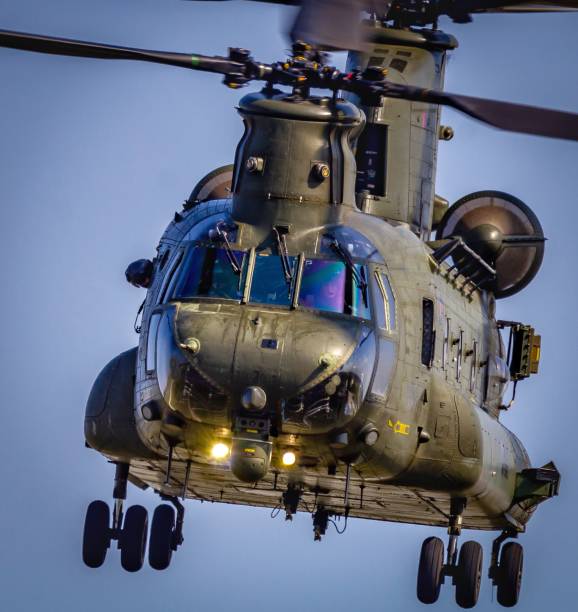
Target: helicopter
x=344 y=456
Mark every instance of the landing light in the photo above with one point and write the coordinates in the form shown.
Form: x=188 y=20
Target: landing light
x=288 y=458
x=219 y=451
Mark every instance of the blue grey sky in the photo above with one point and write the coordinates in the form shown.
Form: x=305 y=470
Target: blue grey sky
x=94 y=159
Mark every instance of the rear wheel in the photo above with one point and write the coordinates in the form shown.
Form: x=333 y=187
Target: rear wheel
x=469 y=574
x=510 y=569
x=134 y=538
x=429 y=575
x=96 y=537
x=162 y=533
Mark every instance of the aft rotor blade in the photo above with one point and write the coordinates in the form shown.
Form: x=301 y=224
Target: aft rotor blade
x=78 y=48
x=504 y=115
x=522 y=240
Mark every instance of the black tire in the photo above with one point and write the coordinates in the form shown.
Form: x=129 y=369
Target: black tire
x=161 y=541
x=429 y=574
x=96 y=537
x=510 y=572
x=134 y=538
x=469 y=574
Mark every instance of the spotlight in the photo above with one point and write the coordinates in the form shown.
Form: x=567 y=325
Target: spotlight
x=219 y=451
x=288 y=458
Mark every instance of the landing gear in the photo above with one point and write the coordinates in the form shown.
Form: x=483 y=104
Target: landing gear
x=507 y=573
x=465 y=568
x=166 y=533
x=130 y=531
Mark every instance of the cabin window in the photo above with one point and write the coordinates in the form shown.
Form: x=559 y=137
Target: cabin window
x=460 y=350
x=150 y=359
x=445 y=348
x=474 y=368
x=386 y=316
x=428 y=333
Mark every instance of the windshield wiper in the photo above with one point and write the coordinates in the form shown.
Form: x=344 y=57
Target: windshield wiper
x=284 y=254
x=346 y=259
x=221 y=235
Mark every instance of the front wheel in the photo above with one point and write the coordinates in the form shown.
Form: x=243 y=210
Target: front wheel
x=134 y=538
x=162 y=533
x=469 y=574
x=429 y=575
x=96 y=537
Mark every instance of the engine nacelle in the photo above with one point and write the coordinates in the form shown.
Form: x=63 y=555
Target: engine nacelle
x=109 y=423
x=503 y=231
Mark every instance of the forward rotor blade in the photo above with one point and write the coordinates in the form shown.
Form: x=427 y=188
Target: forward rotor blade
x=504 y=115
x=514 y=6
x=330 y=24
x=78 y=48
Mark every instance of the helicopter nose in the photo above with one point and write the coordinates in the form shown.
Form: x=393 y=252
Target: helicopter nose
x=215 y=362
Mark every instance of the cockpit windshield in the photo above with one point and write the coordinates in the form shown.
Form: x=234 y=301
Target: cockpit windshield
x=325 y=284
x=331 y=286
x=208 y=272
x=269 y=285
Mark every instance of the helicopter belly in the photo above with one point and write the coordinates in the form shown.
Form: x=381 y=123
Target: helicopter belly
x=367 y=499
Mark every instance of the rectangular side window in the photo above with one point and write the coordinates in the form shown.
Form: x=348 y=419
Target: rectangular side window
x=428 y=333
x=474 y=368
x=152 y=342
x=445 y=348
x=459 y=355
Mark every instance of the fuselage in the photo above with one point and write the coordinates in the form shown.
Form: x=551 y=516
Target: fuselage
x=418 y=360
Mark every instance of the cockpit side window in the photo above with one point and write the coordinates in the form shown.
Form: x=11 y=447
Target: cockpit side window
x=386 y=316
x=152 y=342
x=170 y=276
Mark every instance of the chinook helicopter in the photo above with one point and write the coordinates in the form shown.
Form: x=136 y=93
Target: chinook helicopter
x=305 y=344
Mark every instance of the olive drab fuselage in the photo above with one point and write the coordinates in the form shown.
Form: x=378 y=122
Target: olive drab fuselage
x=302 y=316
